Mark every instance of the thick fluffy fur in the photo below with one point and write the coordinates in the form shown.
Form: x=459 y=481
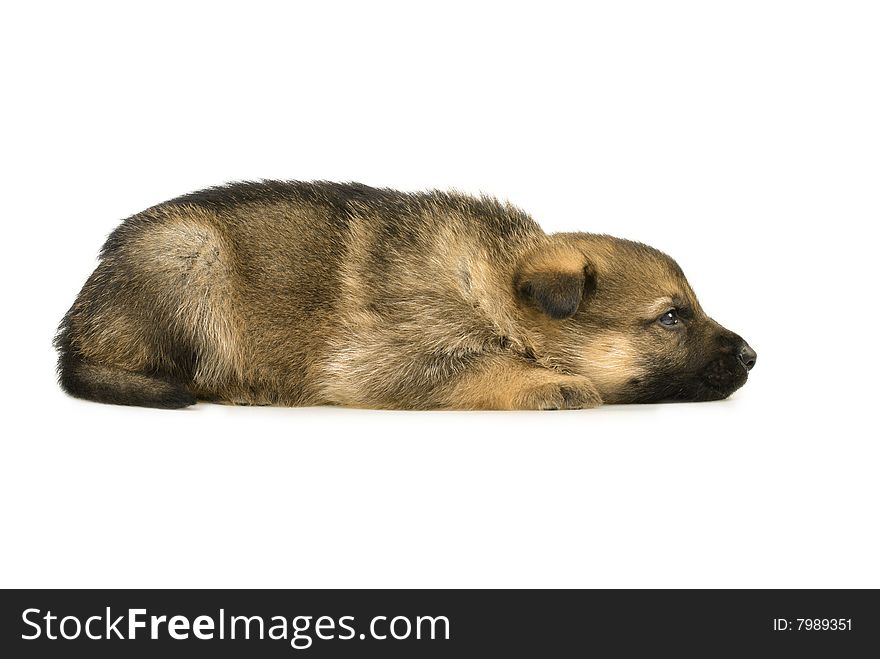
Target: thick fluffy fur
x=288 y=293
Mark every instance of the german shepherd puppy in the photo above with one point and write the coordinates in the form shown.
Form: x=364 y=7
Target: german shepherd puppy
x=289 y=293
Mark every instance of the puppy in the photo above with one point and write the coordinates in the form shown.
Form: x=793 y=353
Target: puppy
x=289 y=293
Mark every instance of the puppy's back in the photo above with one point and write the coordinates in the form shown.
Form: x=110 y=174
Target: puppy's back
x=238 y=293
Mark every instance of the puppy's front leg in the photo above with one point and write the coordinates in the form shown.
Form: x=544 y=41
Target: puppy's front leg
x=507 y=383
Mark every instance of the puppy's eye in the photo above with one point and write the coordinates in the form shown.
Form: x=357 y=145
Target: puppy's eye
x=669 y=319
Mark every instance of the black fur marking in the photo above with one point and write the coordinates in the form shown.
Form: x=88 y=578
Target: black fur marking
x=106 y=384
x=716 y=380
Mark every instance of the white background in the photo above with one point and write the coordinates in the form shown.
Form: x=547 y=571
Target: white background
x=742 y=138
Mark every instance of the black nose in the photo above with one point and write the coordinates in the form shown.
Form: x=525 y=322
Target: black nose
x=747 y=356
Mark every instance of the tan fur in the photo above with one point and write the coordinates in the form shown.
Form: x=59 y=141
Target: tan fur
x=610 y=359
x=311 y=294
x=502 y=383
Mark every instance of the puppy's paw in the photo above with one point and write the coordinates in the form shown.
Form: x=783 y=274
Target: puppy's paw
x=566 y=394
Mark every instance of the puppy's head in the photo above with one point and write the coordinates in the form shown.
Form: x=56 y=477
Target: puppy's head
x=623 y=314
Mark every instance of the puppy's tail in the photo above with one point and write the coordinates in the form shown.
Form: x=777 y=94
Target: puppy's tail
x=83 y=378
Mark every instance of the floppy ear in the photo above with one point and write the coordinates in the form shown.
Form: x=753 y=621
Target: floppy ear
x=553 y=283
